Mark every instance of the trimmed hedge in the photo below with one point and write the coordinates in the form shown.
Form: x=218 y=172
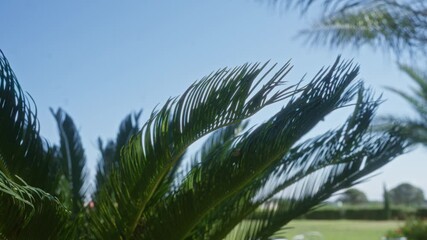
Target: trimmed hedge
x=421 y=213
x=359 y=214
x=325 y=214
x=368 y=212
x=376 y=214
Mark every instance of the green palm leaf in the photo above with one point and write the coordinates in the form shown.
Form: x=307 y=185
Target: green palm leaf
x=72 y=158
x=211 y=145
x=320 y=182
x=223 y=98
x=327 y=5
x=110 y=153
x=239 y=163
x=418 y=98
x=394 y=25
x=23 y=208
x=301 y=161
x=22 y=150
x=413 y=129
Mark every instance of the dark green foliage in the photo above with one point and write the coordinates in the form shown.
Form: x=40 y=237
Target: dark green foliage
x=412 y=230
x=415 y=230
x=110 y=152
x=421 y=213
x=325 y=214
x=27 y=168
x=147 y=187
x=71 y=157
x=378 y=214
x=22 y=151
x=23 y=207
x=360 y=213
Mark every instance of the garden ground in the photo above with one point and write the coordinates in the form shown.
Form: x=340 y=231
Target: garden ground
x=342 y=229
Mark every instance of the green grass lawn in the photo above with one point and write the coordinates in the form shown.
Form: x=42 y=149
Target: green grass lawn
x=342 y=229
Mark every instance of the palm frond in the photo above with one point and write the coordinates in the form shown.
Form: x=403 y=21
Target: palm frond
x=238 y=163
x=110 y=153
x=184 y=165
x=383 y=23
x=105 y=162
x=221 y=99
x=311 y=191
x=3 y=168
x=72 y=158
x=419 y=95
x=418 y=104
x=147 y=188
x=22 y=150
x=24 y=208
x=414 y=129
x=212 y=144
x=302 y=160
x=327 y=5
x=313 y=171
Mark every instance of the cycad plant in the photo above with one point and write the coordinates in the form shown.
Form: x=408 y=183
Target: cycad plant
x=414 y=129
x=148 y=186
x=396 y=25
x=399 y=26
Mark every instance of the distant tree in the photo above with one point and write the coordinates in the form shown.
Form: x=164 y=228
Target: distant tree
x=353 y=196
x=407 y=194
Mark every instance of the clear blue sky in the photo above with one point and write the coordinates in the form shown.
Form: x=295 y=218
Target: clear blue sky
x=100 y=60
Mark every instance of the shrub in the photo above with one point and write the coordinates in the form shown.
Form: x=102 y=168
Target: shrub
x=415 y=230
x=393 y=234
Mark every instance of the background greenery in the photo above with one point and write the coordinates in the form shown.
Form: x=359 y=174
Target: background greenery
x=342 y=229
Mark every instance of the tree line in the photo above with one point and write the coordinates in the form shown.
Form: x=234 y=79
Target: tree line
x=402 y=194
